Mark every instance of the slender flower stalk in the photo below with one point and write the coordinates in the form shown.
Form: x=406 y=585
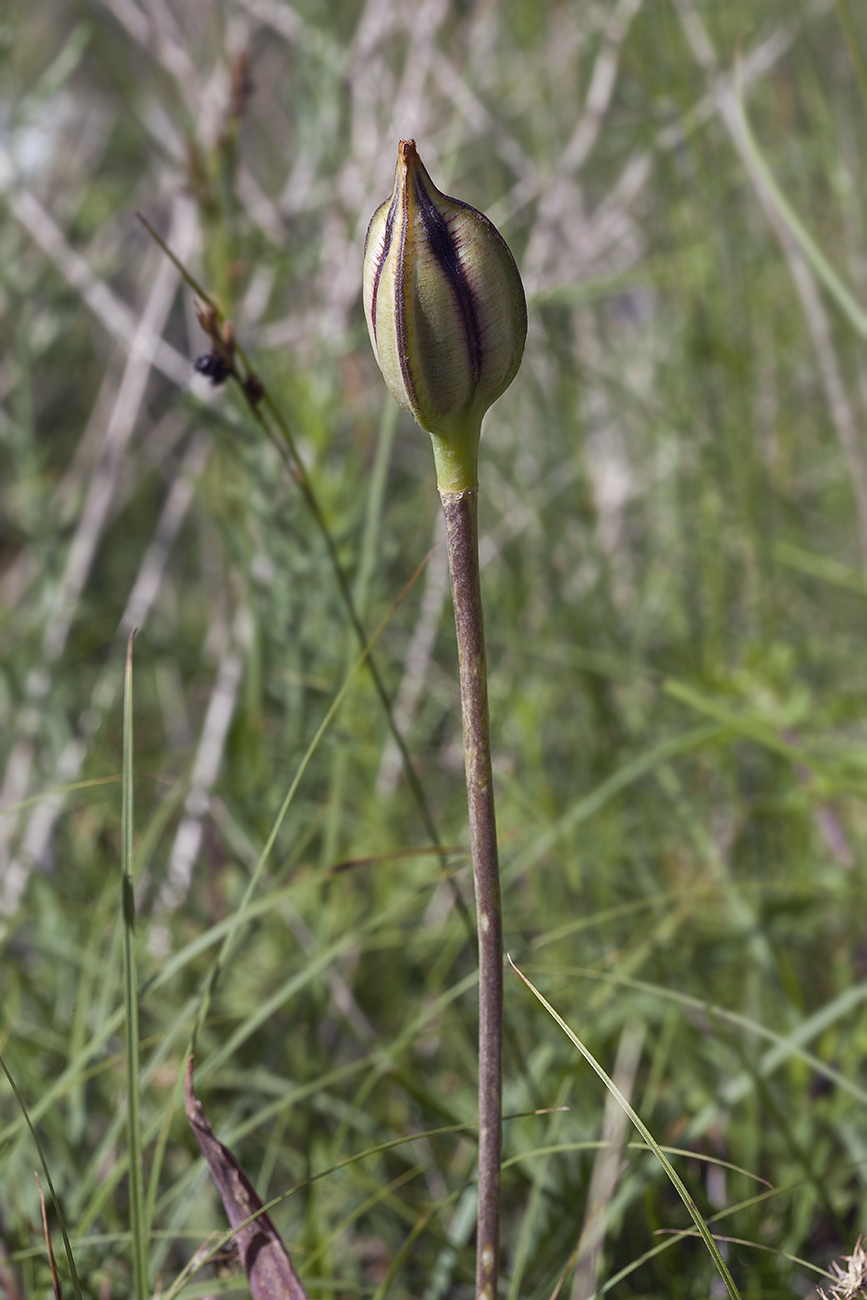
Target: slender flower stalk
x=461 y=515
x=447 y=318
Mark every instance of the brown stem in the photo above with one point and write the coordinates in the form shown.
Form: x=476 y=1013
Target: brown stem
x=462 y=532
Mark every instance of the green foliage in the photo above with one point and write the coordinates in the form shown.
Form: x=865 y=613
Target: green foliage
x=674 y=538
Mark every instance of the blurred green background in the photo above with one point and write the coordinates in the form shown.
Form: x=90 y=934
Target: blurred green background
x=674 y=539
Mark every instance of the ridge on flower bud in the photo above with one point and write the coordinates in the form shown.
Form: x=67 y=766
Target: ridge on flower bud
x=446 y=312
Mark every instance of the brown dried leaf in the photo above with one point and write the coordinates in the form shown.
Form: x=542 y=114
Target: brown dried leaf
x=58 y=1289
x=266 y=1260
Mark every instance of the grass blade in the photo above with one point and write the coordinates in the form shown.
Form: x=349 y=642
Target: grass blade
x=645 y=1132
x=848 y=304
x=138 y=1226
x=70 y=1259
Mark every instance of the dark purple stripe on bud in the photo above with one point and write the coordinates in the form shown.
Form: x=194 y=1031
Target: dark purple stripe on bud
x=443 y=248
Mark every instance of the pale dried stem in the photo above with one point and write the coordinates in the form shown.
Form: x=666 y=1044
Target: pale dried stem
x=462 y=533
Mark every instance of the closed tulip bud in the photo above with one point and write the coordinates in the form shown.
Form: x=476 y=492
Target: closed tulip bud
x=446 y=312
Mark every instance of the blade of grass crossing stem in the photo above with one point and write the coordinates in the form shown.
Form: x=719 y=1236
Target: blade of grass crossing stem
x=70 y=1259
x=138 y=1227
x=645 y=1132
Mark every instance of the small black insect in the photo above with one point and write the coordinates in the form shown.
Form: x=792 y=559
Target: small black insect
x=213 y=366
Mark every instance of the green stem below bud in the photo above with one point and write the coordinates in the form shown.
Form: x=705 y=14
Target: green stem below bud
x=457 y=461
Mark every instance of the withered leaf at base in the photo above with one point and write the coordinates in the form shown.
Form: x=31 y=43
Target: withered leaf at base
x=266 y=1260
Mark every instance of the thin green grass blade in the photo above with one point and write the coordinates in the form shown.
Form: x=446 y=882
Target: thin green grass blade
x=138 y=1225
x=360 y=593
x=173 y=1105
x=385 y=1286
x=850 y=307
x=821 y=567
x=311 y=969
x=587 y=806
x=673 y=1238
x=850 y=31
x=739 y=724
x=594 y=1144
x=785 y=1046
x=376 y=1198
x=68 y=1078
x=95 y=1183
x=375 y=507
x=60 y=791
x=70 y=1258
x=674 y=1177
x=533 y=1216
x=78 y=1066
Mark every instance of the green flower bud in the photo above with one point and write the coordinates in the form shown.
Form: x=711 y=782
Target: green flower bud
x=446 y=312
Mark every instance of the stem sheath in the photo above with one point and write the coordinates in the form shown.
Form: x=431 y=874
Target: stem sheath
x=462 y=532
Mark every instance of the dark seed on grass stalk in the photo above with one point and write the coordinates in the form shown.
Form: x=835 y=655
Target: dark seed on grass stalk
x=213 y=367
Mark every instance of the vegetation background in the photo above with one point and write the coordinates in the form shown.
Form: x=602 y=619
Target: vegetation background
x=674 y=519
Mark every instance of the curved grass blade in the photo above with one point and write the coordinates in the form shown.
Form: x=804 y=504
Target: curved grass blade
x=784 y=1045
x=645 y=1132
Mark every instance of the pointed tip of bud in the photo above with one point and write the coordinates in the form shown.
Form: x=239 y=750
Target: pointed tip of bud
x=446 y=312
